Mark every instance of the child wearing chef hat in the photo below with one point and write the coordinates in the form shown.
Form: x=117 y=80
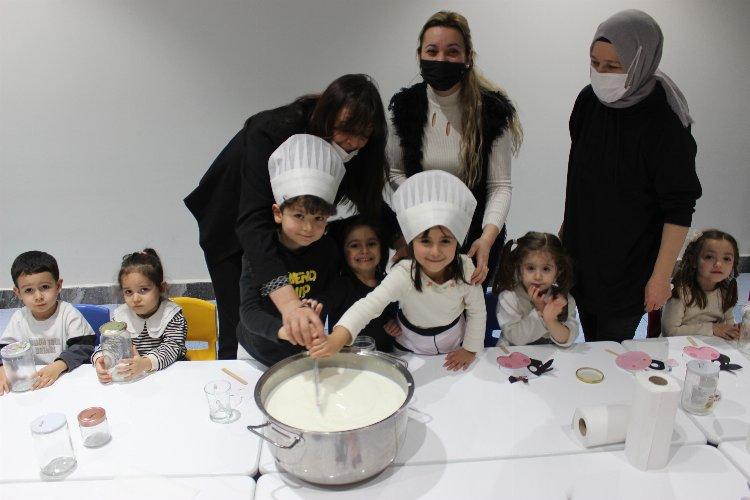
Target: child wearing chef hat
x=305 y=173
x=440 y=312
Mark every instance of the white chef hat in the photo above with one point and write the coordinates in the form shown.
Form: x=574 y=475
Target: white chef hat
x=433 y=198
x=305 y=165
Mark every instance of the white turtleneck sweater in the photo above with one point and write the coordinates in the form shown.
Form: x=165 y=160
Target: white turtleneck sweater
x=441 y=150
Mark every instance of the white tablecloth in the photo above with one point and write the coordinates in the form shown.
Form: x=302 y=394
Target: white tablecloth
x=159 y=425
x=139 y=488
x=693 y=472
x=737 y=453
x=730 y=418
x=479 y=415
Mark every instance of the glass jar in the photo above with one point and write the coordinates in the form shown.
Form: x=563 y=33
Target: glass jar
x=54 y=450
x=94 y=427
x=363 y=343
x=116 y=346
x=18 y=362
x=743 y=341
x=699 y=389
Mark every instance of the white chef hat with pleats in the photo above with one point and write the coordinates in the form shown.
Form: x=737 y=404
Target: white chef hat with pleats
x=433 y=198
x=305 y=165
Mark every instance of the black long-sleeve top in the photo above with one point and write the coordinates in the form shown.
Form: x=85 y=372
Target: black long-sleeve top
x=630 y=171
x=345 y=291
x=311 y=271
x=232 y=202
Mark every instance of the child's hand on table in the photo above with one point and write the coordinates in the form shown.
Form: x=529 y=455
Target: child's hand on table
x=100 y=365
x=46 y=376
x=728 y=332
x=459 y=359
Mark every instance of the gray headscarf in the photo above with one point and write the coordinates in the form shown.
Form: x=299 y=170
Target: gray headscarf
x=638 y=41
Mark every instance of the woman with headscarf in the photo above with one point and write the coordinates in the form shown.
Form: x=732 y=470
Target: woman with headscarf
x=458 y=121
x=631 y=185
x=232 y=202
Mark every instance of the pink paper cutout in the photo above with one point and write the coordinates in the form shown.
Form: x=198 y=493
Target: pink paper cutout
x=514 y=360
x=633 y=360
x=705 y=352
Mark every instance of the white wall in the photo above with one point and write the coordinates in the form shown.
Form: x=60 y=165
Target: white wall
x=111 y=111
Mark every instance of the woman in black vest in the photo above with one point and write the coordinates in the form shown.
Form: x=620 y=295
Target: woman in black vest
x=232 y=202
x=632 y=184
x=459 y=122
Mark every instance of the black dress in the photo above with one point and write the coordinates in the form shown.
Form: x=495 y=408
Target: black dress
x=630 y=171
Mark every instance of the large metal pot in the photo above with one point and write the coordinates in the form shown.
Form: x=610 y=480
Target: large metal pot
x=335 y=457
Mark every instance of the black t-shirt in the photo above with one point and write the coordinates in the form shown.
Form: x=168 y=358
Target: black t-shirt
x=630 y=171
x=344 y=292
x=311 y=270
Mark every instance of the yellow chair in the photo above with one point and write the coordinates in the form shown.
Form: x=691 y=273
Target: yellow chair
x=201 y=321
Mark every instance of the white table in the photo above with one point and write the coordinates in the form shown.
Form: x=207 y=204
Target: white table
x=730 y=418
x=737 y=453
x=159 y=425
x=479 y=415
x=189 y=488
x=693 y=472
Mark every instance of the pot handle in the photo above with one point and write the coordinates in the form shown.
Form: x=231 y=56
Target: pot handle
x=395 y=358
x=294 y=439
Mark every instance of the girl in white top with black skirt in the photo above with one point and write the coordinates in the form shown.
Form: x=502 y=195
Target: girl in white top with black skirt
x=440 y=312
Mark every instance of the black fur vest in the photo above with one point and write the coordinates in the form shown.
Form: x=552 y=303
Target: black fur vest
x=409 y=110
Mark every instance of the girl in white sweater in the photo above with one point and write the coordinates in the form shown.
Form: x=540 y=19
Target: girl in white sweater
x=705 y=288
x=532 y=284
x=440 y=312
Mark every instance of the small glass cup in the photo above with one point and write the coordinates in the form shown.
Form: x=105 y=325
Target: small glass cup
x=94 y=427
x=221 y=402
x=18 y=363
x=54 y=450
x=363 y=343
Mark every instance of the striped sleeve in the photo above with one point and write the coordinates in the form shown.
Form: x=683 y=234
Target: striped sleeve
x=164 y=350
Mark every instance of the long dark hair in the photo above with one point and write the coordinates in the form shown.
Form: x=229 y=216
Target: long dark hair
x=341 y=233
x=508 y=275
x=366 y=173
x=453 y=271
x=685 y=280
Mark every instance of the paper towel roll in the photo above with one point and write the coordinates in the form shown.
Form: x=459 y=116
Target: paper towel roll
x=651 y=423
x=600 y=425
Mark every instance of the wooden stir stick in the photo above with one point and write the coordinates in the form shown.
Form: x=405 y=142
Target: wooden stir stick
x=234 y=376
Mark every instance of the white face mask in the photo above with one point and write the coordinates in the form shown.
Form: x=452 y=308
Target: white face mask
x=608 y=87
x=345 y=157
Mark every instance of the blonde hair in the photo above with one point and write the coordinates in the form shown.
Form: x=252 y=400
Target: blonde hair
x=471 y=99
